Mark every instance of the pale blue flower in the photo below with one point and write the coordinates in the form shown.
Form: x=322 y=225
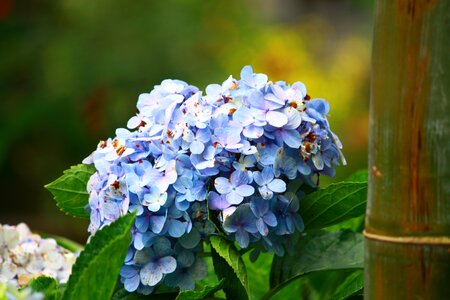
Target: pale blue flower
x=268 y=184
x=235 y=188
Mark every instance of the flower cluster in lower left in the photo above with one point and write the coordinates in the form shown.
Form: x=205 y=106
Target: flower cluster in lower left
x=24 y=255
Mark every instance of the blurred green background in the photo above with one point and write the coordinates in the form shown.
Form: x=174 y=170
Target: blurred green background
x=71 y=72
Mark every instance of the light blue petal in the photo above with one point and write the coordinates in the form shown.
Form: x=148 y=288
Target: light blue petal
x=142 y=223
x=243 y=116
x=137 y=241
x=276 y=119
x=222 y=185
x=253 y=132
x=128 y=271
x=270 y=219
x=150 y=274
x=247 y=73
x=265 y=192
x=234 y=198
x=277 y=185
x=217 y=202
x=167 y=264
x=245 y=190
x=176 y=228
x=267 y=175
x=157 y=223
x=131 y=284
x=292 y=138
x=197 y=147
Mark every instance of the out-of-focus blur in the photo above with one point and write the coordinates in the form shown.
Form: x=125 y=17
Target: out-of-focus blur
x=71 y=72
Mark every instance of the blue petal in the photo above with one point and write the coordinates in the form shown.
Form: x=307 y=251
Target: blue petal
x=257 y=177
x=243 y=116
x=253 y=132
x=267 y=175
x=265 y=192
x=197 y=147
x=217 y=202
x=150 y=274
x=245 y=190
x=222 y=185
x=270 y=219
x=262 y=228
x=142 y=223
x=157 y=223
x=176 y=228
x=259 y=207
x=167 y=264
x=131 y=284
x=292 y=138
x=247 y=73
x=277 y=185
x=242 y=238
x=128 y=271
x=234 y=198
x=137 y=241
x=276 y=119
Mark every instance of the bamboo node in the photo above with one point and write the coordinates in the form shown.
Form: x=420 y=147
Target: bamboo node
x=417 y=240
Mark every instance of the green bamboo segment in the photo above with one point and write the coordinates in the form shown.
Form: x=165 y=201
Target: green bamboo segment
x=401 y=271
x=408 y=209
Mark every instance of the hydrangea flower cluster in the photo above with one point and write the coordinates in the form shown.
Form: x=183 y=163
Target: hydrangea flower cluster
x=24 y=255
x=226 y=156
x=11 y=292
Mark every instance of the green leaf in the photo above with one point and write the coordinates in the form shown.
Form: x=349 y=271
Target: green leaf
x=353 y=284
x=95 y=273
x=3 y=291
x=228 y=264
x=122 y=294
x=198 y=295
x=48 y=286
x=336 y=203
x=258 y=273
x=317 y=251
x=70 y=191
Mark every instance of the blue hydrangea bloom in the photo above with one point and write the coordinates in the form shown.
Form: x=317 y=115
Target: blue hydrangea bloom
x=226 y=155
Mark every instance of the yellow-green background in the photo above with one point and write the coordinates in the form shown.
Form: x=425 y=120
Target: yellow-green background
x=71 y=71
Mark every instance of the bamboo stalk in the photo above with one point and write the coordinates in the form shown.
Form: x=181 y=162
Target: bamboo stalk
x=408 y=211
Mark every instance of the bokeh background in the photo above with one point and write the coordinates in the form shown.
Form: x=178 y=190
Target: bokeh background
x=71 y=72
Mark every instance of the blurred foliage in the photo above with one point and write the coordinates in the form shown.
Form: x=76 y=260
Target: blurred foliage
x=71 y=72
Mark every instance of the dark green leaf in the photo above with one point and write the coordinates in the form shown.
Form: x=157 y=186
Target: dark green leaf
x=198 y=295
x=70 y=192
x=122 y=294
x=95 y=273
x=48 y=286
x=228 y=264
x=317 y=251
x=336 y=203
x=352 y=285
